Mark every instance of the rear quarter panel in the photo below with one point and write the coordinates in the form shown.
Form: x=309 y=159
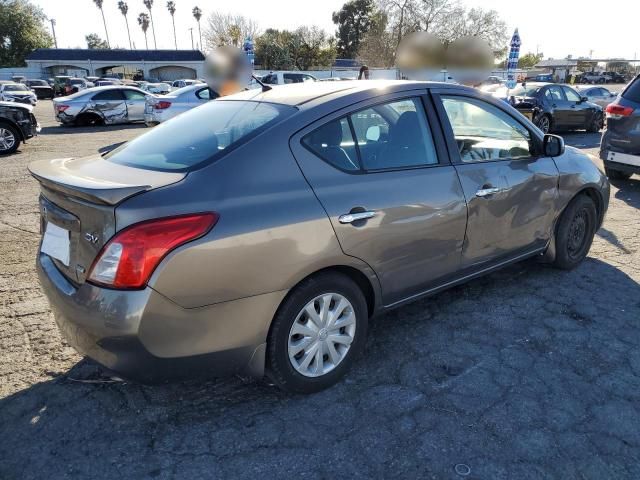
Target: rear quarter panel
x=271 y=234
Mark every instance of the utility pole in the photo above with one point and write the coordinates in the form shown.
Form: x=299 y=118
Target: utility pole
x=53 y=29
x=191 y=31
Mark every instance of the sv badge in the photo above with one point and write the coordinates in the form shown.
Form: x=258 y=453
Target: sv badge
x=91 y=237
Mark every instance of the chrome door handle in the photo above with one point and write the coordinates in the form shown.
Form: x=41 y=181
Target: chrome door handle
x=485 y=192
x=354 y=217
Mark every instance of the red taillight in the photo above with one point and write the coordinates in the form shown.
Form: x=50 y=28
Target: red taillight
x=61 y=108
x=128 y=259
x=618 y=111
x=161 y=105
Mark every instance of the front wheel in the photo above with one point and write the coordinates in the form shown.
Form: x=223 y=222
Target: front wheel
x=317 y=333
x=575 y=232
x=9 y=139
x=597 y=122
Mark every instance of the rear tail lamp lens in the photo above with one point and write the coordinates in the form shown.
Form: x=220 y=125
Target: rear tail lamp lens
x=162 y=104
x=130 y=257
x=618 y=111
x=61 y=108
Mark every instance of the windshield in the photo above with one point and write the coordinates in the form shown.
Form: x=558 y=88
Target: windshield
x=38 y=83
x=18 y=87
x=76 y=81
x=199 y=135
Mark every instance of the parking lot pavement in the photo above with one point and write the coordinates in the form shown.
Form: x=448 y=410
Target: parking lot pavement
x=528 y=373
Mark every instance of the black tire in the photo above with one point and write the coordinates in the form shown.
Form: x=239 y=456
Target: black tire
x=88 y=120
x=544 y=123
x=617 y=174
x=575 y=232
x=597 y=123
x=16 y=139
x=279 y=367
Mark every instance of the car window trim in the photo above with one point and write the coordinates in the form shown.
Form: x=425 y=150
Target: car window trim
x=454 y=153
x=439 y=144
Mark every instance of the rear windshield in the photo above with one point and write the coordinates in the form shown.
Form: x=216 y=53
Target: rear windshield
x=632 y=92
x=199 y=135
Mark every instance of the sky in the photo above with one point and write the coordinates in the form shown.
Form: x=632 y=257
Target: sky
x=556 y=28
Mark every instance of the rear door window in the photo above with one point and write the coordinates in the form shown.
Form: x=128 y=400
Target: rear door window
x=133 y=95
x=333 y=142
x=108 y=95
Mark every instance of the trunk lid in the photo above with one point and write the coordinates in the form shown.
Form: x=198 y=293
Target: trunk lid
x=80 y=195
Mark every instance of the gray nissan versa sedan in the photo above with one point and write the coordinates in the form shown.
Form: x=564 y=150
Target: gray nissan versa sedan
x=260 y=232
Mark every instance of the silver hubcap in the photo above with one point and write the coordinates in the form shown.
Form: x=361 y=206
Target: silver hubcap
x=7 y=139
x=321 y=335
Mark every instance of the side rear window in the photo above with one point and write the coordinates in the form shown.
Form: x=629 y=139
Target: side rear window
x=110 y=95
x=632 y=92
x=391 y=135
x=334 y=143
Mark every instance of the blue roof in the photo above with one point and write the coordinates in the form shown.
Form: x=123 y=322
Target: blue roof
x=103 y=55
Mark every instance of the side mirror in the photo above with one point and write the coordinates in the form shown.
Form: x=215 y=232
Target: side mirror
x=553 y=145
x=584 y=99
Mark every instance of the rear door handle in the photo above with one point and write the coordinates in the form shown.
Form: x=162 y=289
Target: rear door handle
x=354 y=217
x=486 y=192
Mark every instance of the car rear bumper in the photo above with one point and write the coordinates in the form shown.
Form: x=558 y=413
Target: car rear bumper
x=622 y=162
x=143 y=336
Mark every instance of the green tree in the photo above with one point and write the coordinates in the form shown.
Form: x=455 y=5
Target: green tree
x=171 y=6
x=149 y=5
x=378 y=47
x=353 y=21
x=529 y=60
x=124 y=9
x=143 y=21
x=94 y=42
x=99 y=5
x=301 y=49
x=22 y=30
x=197 y=14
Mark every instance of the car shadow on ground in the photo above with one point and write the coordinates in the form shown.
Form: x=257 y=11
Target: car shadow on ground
x=628 y=191
x=500 y=374
x=582 y=140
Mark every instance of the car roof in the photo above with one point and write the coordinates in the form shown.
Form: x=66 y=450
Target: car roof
x=297 y=94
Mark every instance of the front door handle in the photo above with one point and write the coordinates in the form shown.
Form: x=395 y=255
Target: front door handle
x=486 y=192
x=354 y=217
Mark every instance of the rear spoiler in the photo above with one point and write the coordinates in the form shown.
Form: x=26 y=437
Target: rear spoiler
x=97 y=180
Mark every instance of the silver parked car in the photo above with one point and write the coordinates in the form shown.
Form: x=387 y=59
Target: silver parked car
x=17 y=92
x=260 y=232
x=101 y=106
x=160 y=109
x=598 y=95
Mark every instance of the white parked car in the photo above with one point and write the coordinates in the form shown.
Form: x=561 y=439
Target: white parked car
x=17 y=92
x=184 y=83
x=598 y=95
x=157 y=88
x=284 y=78
x=161 y=109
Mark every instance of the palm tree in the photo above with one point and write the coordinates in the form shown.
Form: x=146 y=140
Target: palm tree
x=197 y=14
x=124 y=9
x=171 y=6
x=99 y=5
x=143 y=21
x=149 y=4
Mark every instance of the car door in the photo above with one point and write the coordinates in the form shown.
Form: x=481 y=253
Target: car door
x=579 y=111
x=558 y=105
x=510 y=188
x=136 y=102
x=394 y=200
x=111 y=105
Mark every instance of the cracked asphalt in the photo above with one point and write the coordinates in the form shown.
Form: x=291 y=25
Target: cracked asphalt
x=527 y=373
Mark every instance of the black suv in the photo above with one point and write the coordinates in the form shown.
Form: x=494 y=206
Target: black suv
x=17 y=124
x=620 y=146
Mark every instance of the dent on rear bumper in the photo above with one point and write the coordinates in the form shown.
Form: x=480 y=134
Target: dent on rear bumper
x=143 y=335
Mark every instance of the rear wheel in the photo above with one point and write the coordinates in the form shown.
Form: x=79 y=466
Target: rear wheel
x=596 y=124
x=543 y=122
x=88 y=120
x=9 y=139
x=575 y=232
x=317 y=333
x=617 y=174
